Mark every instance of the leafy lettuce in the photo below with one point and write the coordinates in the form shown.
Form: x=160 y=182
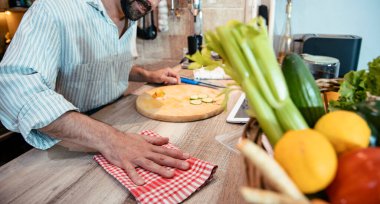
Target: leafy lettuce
x=352 y=91
x=356 y=85
x=373 y=83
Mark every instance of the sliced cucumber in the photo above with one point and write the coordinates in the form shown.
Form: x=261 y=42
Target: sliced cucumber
x=196 y=102
x=201 y=96
x=194 y=97
x=207 y=100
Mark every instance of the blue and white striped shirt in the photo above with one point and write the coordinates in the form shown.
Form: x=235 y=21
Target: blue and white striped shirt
x=66 y=55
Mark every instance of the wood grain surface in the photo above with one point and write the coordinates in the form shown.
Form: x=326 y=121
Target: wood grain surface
x=175 y=105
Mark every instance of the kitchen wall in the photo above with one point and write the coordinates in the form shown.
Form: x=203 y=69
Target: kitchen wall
x=353 y=17
x=309 y=16
x=169 y=45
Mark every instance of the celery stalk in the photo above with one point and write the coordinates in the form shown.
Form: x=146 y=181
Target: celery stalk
x=257 y=73
x=268 y=64
x=263 y=112
x=234 y=55
x=290 y=116
x=248 y=57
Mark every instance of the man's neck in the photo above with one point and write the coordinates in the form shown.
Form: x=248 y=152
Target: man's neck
x=114 y=11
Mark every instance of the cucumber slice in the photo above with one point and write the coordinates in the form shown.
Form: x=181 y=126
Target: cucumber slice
x=194 y=97
x=207 y=100
x=201 y=96
x=195 y=102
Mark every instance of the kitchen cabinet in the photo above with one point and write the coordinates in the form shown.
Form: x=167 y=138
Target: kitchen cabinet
x=3 y=5
x=15 y=5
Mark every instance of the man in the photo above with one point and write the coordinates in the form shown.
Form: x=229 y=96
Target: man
x=77 y=54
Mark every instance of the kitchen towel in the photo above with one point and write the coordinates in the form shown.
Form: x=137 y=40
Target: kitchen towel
x=204 y=74
x=162 y=190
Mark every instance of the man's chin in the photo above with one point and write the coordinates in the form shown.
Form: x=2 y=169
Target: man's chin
x=134 y=16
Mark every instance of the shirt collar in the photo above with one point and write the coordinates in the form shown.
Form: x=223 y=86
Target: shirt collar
x=96 y=4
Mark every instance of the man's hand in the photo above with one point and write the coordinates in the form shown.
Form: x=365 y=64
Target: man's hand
x=131 y=150
x=125 y=150
x=165 y=76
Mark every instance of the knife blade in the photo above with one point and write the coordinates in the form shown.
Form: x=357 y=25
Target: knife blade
x=201 y=83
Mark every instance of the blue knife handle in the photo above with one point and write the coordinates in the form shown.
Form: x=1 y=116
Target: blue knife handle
x=189 y=81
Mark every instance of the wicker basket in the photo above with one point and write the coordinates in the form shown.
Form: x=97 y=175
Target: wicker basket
x=329 y=84
x=253 y=132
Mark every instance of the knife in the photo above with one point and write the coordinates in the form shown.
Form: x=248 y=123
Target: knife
x=195 y=82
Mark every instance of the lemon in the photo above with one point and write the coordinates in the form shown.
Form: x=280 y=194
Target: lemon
x=308 y=158
x=344 y=129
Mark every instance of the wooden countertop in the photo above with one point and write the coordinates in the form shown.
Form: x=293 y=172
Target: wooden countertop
x=61 y=176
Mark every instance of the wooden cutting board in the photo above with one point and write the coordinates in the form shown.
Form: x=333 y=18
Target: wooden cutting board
x=175 y=106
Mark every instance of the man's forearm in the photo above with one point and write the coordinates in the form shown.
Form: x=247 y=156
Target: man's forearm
x=138 y=73
x=79 y=129
x=125 y=150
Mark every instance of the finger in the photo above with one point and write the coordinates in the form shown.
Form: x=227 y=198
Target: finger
x=170 y=80
x=174 y=76
x=172 y=72
x=173 y=80
x=156 y=140
x=169 y=161
x=178 y=79
x=171 y=152
x=133 y=175
x=155 y=168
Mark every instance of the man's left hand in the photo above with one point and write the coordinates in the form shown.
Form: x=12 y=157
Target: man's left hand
x=166 y=76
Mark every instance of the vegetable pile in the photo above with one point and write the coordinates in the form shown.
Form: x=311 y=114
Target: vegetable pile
x=305 y=160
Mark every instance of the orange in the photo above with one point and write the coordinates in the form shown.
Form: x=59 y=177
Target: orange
x=344 y=129
x=308 y=158
x=331 y=95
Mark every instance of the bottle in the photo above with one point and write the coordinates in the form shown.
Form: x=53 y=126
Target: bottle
x=286 y=39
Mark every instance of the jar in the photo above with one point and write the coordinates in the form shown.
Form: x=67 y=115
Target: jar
x=322 y=66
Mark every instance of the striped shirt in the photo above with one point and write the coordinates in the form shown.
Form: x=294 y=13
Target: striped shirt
x=66 y=55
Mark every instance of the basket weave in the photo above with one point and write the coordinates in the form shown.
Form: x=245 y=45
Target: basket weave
x=253 y=132
x=329 y=84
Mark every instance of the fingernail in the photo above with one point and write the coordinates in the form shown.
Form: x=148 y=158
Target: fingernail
x=185 y=165
x=170 y=173
x=140 y=182
x=186 y=155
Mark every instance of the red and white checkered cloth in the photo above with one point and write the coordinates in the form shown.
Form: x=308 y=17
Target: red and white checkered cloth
x=162 y=190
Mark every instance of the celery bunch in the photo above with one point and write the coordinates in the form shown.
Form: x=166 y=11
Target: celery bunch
x=248 y=57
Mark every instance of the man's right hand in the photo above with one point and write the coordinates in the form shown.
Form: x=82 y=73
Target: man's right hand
x=125 y=150
x=129 y=150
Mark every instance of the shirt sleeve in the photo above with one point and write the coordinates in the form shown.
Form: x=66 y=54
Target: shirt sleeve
x=28 y=75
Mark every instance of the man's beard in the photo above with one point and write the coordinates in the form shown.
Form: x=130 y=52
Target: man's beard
x=135 y=9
